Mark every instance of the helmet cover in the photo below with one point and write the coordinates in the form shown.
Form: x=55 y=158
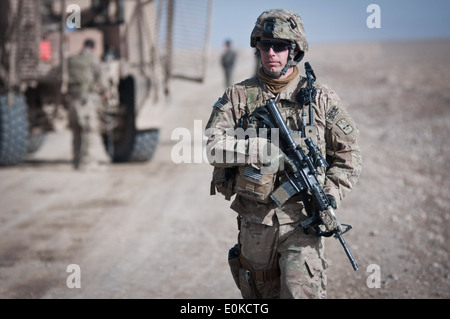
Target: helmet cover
x=280 y=24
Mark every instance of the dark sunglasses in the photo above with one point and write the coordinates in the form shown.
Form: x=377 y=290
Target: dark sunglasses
x=277 y=46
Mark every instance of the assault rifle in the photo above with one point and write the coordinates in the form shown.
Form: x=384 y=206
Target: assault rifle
x=304 y=178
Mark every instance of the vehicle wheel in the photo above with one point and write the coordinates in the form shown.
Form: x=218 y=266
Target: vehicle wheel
x=144 y=146
x=13 y=130
x=139 y=147
x=130 y=145
x=35 y=142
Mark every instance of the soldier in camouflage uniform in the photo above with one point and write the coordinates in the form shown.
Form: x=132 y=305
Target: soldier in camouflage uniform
x=277 y=258
x=85 y=90
x=228 y=60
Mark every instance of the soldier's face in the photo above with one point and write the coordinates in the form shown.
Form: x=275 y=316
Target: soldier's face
x=274 y=55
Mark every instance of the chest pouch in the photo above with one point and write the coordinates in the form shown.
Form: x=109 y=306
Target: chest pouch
x=252 y=184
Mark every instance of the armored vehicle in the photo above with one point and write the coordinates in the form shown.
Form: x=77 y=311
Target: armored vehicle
x=142 y=45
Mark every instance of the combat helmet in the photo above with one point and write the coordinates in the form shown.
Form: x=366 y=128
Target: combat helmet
x=284 y=25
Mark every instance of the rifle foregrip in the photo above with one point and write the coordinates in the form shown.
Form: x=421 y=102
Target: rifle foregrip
x=320 y=198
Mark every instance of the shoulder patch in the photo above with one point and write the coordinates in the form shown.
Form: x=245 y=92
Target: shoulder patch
x=331 y=115
x=221 y=102
x=345 y=126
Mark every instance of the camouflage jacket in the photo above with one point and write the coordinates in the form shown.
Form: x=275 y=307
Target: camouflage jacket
x=336 y=136
x=84 y=74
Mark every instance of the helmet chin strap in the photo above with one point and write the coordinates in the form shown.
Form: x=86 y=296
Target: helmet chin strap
x=292 y=60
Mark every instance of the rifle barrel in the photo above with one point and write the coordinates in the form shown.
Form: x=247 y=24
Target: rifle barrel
x=347 y=251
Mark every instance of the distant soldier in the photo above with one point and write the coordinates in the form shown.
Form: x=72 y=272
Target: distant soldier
x=85 y=90
x=228 y=60
x=274 y=257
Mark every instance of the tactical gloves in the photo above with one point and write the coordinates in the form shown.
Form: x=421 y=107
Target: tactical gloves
x=268 y=156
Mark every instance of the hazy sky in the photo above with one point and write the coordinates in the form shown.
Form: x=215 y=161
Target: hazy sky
x=332 y=20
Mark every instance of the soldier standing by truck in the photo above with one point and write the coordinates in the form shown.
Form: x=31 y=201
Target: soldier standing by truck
x=85 y=91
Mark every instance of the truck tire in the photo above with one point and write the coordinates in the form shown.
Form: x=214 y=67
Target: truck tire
x=144 y=146
x=139 y=147
x=133 y=145
x=35 y=142
x=13 y=130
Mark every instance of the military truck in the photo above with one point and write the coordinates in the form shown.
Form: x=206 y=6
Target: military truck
x=140 y=44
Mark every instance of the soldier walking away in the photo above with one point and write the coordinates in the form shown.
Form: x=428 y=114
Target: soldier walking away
x=274 y=257
x=228 y=60
x=85 y=91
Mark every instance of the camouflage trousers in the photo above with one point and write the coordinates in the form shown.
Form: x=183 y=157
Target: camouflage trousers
x=84 y=123
x=286 y=263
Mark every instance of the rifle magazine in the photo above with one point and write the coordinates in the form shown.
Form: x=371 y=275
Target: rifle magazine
x=283 y=193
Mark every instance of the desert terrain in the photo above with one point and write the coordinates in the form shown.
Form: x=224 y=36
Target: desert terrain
x=151 y=230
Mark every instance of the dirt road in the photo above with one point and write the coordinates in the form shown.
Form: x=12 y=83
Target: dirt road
x=152 y=231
